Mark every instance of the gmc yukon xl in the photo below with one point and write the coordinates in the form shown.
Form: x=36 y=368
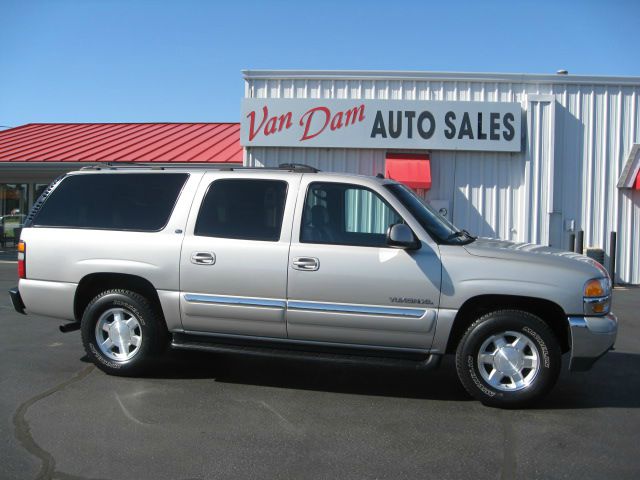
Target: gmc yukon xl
x=293 y=259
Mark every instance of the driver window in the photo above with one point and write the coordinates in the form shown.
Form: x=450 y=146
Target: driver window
x=343 y=214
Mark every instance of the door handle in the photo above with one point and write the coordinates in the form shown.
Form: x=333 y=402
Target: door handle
x=308 y=264
x=203 y=258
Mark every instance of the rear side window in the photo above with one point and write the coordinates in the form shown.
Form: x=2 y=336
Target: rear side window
x=132 y=201
x=243 y=209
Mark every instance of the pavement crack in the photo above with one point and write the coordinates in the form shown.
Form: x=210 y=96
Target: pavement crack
x=22 y=430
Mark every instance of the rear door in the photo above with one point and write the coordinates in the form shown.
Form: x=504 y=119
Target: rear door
x=233 y=266
x=345 y=284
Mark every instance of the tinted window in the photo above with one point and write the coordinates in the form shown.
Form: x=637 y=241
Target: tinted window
x=345 y=214
x=131 y=201
x=243 y=209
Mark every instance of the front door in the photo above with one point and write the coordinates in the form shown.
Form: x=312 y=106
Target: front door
x=345 y=284
x=233 y=266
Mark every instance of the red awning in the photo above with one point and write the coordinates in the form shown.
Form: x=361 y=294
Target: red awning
x=414 y=170
x=638 y=180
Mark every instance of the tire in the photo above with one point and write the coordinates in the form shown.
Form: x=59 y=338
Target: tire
x=134 y=332
x=508 y=359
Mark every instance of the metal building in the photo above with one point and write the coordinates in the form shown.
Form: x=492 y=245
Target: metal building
x=567 y=162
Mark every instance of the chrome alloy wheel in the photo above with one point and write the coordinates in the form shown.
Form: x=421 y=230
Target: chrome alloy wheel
x=508 y=361
x=118 y=334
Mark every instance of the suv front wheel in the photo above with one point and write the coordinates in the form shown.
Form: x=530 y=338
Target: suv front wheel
x=508 y=359
x=121 y=332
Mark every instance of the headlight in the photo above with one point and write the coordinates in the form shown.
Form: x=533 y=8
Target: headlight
x=597 y=296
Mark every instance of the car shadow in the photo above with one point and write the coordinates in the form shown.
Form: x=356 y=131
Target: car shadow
x=612 y=382
x=315 y=373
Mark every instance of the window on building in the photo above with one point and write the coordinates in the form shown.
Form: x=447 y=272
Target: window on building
x=118 y=201
x=337 y=213
x=243 y=209
x=14 y=203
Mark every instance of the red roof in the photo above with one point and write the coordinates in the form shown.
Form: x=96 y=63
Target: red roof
x=122 y=142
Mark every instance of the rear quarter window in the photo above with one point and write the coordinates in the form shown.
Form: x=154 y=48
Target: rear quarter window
x=132 y=201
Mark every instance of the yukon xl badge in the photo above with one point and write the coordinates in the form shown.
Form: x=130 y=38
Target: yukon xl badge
x=418 y=301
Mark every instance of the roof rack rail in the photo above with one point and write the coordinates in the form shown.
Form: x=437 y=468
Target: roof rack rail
x=152 y=166
x=292 y=167
x=298 y=167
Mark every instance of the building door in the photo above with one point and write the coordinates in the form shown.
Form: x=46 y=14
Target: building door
x=345 y=284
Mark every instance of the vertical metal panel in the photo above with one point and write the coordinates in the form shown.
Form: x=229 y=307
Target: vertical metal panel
x=349 y=160
x=574 y=151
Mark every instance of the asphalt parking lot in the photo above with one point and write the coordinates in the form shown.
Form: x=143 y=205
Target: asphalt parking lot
x=206 y=416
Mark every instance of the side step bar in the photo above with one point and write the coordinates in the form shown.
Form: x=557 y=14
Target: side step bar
x=184 y=342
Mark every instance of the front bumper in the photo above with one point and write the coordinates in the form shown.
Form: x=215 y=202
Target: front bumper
x=591 y=338
x=16 y=299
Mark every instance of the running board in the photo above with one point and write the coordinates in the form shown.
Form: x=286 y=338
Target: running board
x=183 y=342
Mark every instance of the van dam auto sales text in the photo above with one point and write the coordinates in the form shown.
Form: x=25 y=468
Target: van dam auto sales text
x=389 y=124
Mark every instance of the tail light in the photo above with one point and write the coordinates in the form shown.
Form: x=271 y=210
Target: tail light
x=22 y=256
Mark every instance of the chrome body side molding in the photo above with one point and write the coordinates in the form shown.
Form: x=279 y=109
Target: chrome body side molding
x=311 y=306
x=243 y=301
x=359 y=309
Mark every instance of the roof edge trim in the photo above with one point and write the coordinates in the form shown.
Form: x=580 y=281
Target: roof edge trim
x=439 y=76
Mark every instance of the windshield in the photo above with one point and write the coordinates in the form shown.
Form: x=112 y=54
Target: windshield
x=440 y=229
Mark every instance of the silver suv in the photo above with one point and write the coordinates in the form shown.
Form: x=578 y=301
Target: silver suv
x=293 y=259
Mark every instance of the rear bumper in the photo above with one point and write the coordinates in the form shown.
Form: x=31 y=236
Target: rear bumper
x=591 y=338
x=51 y=299
x=16 y=299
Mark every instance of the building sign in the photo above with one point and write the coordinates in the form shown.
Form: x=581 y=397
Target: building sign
x=411 y=124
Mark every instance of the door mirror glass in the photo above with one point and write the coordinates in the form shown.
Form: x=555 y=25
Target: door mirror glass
x=401 y=236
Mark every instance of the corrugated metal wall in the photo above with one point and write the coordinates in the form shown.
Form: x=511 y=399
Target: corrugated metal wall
x=577 y=138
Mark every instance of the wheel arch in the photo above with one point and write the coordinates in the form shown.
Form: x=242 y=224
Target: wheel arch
x=94 y=283
x=550 y=312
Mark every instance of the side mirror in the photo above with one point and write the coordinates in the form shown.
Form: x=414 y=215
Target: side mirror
x=401 y=236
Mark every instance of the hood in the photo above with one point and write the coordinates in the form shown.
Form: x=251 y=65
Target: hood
x=530 y=252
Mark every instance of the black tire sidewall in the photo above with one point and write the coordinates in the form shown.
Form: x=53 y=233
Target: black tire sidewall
x=508 y=320
x=138 y=306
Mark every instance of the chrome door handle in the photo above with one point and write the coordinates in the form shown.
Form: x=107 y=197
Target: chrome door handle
x=203 y=258
x=308 y=264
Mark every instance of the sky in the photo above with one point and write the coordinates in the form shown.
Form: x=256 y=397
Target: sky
x=182 y=60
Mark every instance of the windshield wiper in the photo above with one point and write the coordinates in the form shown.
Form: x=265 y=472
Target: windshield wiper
x=461 y=233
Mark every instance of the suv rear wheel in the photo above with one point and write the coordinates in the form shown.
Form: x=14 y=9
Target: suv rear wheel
x=508 y=359
x=121 y=332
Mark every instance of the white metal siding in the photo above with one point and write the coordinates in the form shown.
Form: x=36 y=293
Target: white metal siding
x=571 y=159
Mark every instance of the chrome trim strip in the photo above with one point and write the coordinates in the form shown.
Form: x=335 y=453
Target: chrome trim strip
x=363 y=310
x=597 y=299
x=577 y=322
x=311 y=306
x=222 y=300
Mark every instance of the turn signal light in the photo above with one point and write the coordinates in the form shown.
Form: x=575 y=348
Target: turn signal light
x=22 y=254
x=594 y=288
x=597 y=296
